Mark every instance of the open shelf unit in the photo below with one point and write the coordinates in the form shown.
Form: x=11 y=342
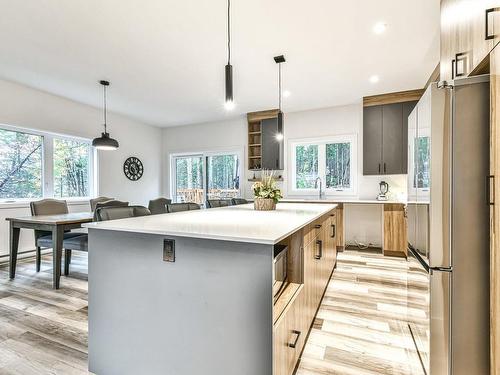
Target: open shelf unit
x=255 y=137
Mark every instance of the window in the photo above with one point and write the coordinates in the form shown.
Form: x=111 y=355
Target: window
x=36 y=165
x=20 y=165
x=202 y=176
x=421 y=178
x=71 y=168
x=328 y=159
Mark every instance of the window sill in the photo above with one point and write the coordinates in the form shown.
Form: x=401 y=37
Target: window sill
x=21 y=203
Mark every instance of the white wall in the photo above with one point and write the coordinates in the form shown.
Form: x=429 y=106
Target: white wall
x=29 y=108
x=307 y=124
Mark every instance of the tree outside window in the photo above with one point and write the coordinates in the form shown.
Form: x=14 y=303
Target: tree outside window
x=71 y=168
x=338 y=166
x=306 y=166
x=20 y=165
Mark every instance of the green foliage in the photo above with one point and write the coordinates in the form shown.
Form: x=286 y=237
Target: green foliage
x=20 y=165
x=266 y=187
x=306 y=167
x=71 y=168
x=338 y=165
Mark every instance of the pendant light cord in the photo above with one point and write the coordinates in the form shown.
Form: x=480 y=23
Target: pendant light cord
x=229 y=32
x=105 y=109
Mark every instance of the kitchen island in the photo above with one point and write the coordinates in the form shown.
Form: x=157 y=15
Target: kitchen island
x=192 y=292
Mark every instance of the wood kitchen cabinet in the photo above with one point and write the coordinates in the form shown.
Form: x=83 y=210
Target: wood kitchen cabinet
x=385 y=130
x=395 y=230
x=469 y=31
x=319 y=249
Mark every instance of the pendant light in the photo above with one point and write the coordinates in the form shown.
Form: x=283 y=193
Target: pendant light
x=229 y=103
x=104 y=142
x=279 y=135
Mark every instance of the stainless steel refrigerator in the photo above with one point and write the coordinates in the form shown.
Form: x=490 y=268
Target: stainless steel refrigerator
x=448 y=227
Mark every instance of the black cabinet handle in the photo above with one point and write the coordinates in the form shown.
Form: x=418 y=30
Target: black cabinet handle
x=385 y=168
x=294 y=344
x=320 y=254
x=334 y=231
x=490 y=179
x=378 y=167
x=453 y=69
x=317 y=226
x=462 y=56
x=487 y=35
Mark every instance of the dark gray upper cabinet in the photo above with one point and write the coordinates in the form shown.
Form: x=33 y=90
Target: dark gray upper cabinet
x=372 y=140
x=272 y=148
x=385 y=132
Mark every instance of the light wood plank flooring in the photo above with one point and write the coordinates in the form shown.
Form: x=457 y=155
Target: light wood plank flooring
x=360 y=329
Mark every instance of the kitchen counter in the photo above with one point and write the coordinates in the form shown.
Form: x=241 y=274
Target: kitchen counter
x=235 y=223
x=340 y=200
x=192 y=292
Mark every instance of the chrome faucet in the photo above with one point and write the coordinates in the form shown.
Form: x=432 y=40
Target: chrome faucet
x=320 y=186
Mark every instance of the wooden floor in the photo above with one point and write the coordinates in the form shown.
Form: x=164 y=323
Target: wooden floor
x=360 y=328
x=362 y=324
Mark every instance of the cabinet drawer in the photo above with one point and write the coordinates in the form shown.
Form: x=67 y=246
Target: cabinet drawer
x=289 y=337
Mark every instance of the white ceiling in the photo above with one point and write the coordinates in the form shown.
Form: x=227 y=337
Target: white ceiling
x=165 y=58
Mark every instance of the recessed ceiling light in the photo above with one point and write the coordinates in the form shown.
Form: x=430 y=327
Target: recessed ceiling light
x=379 y=28
x=286 y=93
x=374 y=79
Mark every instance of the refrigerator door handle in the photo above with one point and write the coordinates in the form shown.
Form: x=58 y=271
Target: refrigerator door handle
x=420 y=259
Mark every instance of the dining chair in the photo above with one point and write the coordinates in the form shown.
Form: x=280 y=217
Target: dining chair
x=159 y=205
x=109 y=203
x=81 y=242
x=43 y=239
x=237 y=201
x=178 y=207
x=94 y=201
x=213 y=203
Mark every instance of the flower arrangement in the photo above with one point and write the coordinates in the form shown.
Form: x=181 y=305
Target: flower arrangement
x=265 y=191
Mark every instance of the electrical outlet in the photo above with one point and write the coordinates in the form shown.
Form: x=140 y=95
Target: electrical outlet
x=169 y=251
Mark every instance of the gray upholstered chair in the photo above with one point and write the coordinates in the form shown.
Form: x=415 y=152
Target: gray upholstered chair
x=111 y=203
x=237 y=201
x=81 y=242
x=159 y=205
x=43 y=239
x=178 y=207
x=115 y=213
x=213 y=203
x=93 y=202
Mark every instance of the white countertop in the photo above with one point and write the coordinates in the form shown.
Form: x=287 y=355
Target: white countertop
x=236 y=223
x=345 y=201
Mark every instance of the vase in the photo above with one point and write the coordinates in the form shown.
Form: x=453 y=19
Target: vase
x=264 y=204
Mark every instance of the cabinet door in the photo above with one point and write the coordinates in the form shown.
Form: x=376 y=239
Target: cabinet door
x=448 y=39
x=372 y=140
x=408 y=107
x=272 y=150
x=481 y=44
x=392 y=139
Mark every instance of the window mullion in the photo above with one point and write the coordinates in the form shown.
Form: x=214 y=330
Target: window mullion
x=48 y=166
x=322 y=162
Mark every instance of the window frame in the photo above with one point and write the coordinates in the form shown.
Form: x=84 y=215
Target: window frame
x=321 y=142
x=203 y=154
x=48 y=164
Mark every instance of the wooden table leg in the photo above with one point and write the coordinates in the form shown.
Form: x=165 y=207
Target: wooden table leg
x=57 y=243
x=14 y=246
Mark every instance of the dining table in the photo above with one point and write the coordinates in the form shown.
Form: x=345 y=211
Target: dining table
x=57 y=225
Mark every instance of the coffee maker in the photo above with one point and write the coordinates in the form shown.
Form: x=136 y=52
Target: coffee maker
x=384 y=189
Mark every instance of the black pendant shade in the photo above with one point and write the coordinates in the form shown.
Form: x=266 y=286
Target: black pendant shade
x=105 y=142
x=279 y=135
x=229 y=103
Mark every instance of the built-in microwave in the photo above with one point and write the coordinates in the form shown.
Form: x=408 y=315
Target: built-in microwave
x=280 y=274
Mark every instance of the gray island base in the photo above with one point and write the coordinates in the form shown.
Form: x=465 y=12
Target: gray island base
x=210 y=311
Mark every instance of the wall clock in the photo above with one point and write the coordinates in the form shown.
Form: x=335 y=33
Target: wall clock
x=133 y=168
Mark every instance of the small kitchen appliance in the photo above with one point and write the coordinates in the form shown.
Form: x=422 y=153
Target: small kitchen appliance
x=384 y=189
x=280 y=274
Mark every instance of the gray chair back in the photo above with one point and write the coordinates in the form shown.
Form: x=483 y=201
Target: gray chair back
x=159 y=205
x=237 y=201
x=213 y=203
x=115 y=213
x=47 y=207
x=111 y=203
x=178 y=207
x=94 y=201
